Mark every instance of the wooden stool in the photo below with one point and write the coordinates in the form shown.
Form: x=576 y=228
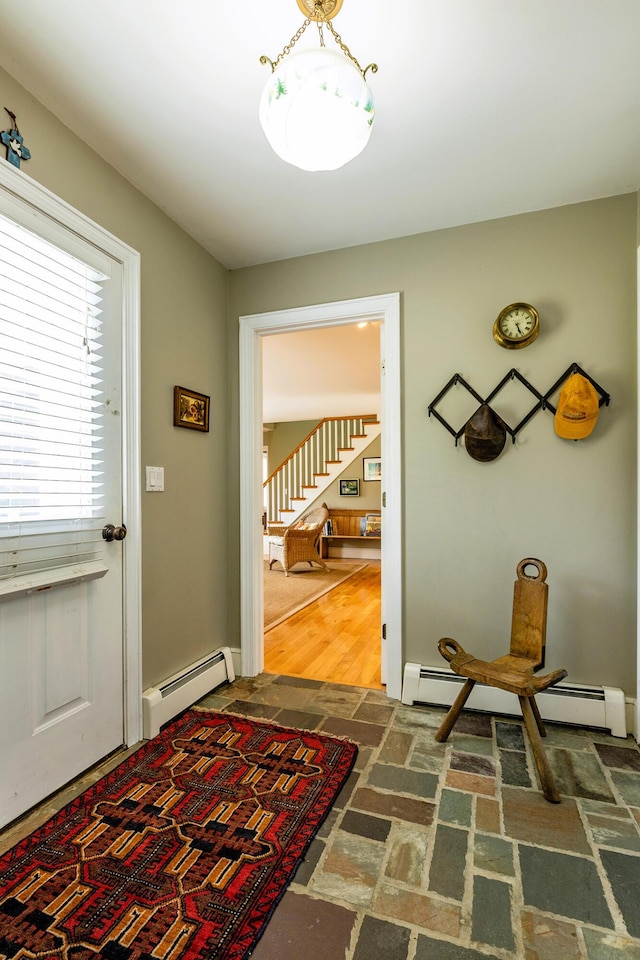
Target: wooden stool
x=515 y=671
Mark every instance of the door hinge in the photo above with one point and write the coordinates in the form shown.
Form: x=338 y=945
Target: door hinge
x=384 y=631
x=384 y=498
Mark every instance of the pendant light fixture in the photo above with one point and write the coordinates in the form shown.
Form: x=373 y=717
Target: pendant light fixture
x=316 y=108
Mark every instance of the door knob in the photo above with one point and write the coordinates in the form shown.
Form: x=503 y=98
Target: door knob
x=110 y=533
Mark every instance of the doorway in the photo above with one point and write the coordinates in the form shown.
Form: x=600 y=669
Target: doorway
x=312 y=381
x=384 y=309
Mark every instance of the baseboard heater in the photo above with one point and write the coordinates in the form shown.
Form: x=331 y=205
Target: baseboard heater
x=572 y=703
x=178 y=692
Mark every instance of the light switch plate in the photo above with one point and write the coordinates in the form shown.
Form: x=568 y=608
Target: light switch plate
x=155 y=479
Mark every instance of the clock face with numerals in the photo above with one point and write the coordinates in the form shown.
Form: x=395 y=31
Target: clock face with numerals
x=517 y=326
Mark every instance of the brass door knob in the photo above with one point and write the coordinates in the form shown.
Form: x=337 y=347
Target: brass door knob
x=110 y=532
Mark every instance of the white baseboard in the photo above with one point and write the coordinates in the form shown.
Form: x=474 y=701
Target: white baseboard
x=572 y=703
x=632 y=717
x=166 y=700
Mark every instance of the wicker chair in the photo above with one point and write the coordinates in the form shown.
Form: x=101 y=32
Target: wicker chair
x=299 y=541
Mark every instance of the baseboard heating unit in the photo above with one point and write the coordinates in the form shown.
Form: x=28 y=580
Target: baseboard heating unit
x=178 y=692
x=572 y=703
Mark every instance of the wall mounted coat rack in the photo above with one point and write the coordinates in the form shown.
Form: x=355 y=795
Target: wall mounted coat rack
x=542 y=400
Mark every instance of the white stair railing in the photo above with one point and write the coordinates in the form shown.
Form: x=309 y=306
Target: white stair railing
x=296 y=478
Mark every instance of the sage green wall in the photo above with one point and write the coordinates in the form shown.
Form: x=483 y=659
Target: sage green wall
x=183 y=334
x=284 y=438
x=467 y=524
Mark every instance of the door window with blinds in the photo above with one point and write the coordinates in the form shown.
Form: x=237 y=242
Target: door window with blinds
x=51 y=407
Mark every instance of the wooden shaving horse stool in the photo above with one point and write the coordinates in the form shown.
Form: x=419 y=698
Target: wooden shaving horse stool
x=515 y=671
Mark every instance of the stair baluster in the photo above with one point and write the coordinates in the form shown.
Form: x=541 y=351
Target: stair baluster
x=308 y=466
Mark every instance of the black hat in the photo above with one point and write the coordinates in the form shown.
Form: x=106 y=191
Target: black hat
x=484 y=434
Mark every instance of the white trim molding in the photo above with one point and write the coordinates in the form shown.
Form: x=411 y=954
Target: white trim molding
x=384 y=309
x=29 y=191
x=631 y=707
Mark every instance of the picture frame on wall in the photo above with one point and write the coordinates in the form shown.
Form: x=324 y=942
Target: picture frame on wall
x=372 y=468
x=349 y=488
x=190 y=409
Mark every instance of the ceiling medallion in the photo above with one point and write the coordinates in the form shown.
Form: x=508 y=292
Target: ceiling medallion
x=329 y=9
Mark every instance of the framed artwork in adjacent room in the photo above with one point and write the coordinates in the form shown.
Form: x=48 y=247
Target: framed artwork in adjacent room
x=349 y=488
x=372 y=468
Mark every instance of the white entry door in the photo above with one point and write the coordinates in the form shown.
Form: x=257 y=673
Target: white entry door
x=61 y=582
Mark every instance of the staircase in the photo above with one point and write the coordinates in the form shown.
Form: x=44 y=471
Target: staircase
x=315 y=463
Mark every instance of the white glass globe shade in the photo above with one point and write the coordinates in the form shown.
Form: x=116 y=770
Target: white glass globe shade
x=317 y=110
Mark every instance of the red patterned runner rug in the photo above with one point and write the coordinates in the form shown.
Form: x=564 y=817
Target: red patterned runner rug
x=180 y=853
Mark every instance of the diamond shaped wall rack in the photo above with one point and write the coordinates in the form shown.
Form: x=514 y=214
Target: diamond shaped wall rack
x=542 y=400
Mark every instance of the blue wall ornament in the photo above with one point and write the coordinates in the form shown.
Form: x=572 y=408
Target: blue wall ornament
x=12 y=139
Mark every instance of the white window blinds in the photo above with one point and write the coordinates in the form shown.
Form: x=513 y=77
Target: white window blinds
x=51 y=500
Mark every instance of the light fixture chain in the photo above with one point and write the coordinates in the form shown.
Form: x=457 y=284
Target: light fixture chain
x=288 y=47
x=342 y=45
x=345 y=49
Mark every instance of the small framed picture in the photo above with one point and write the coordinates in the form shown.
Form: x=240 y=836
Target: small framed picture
x=349 y=488
x=190 y=409
x=372 y=468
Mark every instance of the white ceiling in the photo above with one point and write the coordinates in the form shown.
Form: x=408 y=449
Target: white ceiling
x=484 y=108
x=330 y=372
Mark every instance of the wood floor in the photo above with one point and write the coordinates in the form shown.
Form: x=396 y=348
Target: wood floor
x=336 y=638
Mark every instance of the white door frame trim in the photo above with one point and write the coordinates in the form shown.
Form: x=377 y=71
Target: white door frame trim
x=384 y=308
x=30 y=191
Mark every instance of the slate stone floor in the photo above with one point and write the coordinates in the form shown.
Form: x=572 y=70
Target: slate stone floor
x=448 y=851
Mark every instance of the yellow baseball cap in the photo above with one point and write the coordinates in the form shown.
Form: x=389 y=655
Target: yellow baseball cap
x=577 y=411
